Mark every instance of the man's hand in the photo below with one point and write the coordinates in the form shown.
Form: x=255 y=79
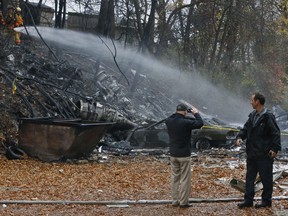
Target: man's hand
x=272 y=154
x=194 y=110
x=238 y=142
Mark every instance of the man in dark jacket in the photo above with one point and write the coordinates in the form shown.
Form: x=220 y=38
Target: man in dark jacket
x=262 y=136
x=179 y=130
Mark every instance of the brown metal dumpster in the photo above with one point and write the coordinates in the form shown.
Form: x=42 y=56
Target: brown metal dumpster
x=56 y=139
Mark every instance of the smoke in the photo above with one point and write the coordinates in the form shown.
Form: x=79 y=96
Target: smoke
x=190 y=87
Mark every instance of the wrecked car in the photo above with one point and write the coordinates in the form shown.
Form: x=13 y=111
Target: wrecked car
x=214 y=133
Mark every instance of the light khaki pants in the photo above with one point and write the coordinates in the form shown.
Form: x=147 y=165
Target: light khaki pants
x=181 y=179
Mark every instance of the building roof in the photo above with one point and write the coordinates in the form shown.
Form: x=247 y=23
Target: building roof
x=34 y=4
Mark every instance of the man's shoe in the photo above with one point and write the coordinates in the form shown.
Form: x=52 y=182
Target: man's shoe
x=245 y=204
x=263 y=205
x=186 y=206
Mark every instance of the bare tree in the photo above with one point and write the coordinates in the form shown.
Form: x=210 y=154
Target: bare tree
x=106 y=22
x=147 y=39
x=60 y=13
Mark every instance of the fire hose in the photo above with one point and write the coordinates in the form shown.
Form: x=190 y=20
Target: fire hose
x=130 y=202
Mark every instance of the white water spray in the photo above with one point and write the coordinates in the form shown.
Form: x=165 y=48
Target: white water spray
x=199 y=91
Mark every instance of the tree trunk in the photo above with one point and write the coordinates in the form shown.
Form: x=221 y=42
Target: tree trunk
x=106 y=23
x=38 y=12
x=186 y=36
x=64 y=14
x=138 y=19
x=163 y=41
x=147 y=40
x=216 y=39
x=55 y=11
x=60 y=14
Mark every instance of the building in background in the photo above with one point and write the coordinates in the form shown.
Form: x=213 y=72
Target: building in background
x=42 y=16
x=82 y=22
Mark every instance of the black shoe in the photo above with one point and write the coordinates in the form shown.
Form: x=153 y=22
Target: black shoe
x=245 y=204
x=186 y=206
x=263 y=205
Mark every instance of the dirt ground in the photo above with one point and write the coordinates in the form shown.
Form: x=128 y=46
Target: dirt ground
x=121 y=178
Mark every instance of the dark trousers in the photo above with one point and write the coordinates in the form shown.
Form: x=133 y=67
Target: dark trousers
x=265 y=169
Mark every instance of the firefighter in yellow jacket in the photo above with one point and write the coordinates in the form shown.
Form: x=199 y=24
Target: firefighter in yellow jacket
x=14 y=19
x=18 y=23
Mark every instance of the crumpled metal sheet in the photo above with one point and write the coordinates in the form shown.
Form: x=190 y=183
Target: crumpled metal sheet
x=240 y=185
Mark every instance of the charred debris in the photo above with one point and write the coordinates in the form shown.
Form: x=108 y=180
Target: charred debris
x=37 y=82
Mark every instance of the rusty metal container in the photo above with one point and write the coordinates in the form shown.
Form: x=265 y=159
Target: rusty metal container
x=57 y=139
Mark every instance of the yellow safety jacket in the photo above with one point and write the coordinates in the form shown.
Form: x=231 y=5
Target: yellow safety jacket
x=18 y=20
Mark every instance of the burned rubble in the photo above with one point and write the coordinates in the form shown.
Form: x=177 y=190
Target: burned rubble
x=34 y=84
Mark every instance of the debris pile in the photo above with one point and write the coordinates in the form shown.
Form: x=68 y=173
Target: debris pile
x=35 y=84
